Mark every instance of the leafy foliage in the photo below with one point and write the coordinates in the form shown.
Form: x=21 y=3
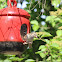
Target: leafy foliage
x=2 y=3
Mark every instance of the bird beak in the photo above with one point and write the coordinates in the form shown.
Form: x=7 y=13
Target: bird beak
x=25 y=43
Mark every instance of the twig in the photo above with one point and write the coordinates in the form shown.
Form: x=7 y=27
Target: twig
x=34 y=6
x=30 y=4
x=36 y=59
x=39 y=3
x=44 y=3
x=38 y=15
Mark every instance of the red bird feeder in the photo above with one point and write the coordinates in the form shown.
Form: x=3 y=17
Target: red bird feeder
x=14 y=23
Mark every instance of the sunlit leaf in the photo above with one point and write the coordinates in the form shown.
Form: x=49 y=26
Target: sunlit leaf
x=46 y=40
x=7 y=60
x=1 y=60
x=60 y=27
x=28 y=11
x=30 y=60
x=60 y=21
x=34 y=22
x=55 y=2
x=42 y=55
x=2 y=0
x=10 y=55
x=57 y=19
x=59 y=60
x=55 y=45
x=54 y=55
x=53 y=13
x=35 y=27
x=46 y=34
x=42 y=48
x=50 y=18
x=58 y=32
x=49 y=58
x=60 y=52
x=53 y=24
x=38 y=52
x=16 y=59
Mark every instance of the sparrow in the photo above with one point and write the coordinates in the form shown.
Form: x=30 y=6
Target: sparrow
x=29 y=38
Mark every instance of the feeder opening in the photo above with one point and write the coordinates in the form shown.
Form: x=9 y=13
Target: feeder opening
x=23 y=30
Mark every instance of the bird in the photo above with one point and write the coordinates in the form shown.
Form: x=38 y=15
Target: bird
x=29 y=38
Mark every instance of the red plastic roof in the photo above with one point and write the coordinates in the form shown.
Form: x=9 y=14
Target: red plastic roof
x=14 y=11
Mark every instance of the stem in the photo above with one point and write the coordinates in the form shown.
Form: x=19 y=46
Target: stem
x=44 y=59
x=36 y=59
x=51 y=58
x=30 y=4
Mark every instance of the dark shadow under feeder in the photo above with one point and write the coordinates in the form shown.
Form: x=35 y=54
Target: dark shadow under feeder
x=9 y=47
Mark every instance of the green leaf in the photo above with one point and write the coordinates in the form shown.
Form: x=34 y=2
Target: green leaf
x=50 y=18
x=60 y=52
x=28 y=11
x=58 y=32
x=30 y=60
x=7 y=60
x=55 y=2
x=59 y=60
x=53 y=24
x=46 y=34
x=55 y=45
x=42 y=48
x=41 y=61
x=54 y=55
x=60 y=24
x=60 y=21
x=1 y=60
x=46 y=40
x=42 y=55
x=57 y=19
x=49 y=58
x=2 y=4
x=10 y=55
x=16 y=59
x=2 y=0
x=35 y=27
x=38 y=52
x=34 y=22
